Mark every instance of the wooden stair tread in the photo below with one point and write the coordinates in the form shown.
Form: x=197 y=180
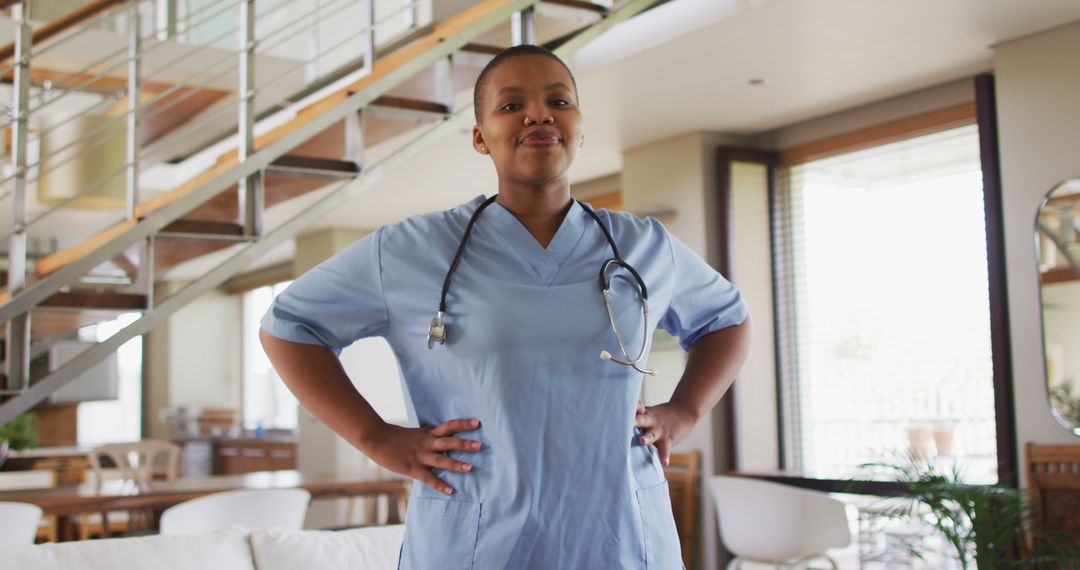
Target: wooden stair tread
x=64 y=313
x=580 y=5
x=1060 y=275
x=44 y=324
x=210 y=228
x=95 y=301
x=170 y=252
x=409 y=104
x=313 y=166
x=480 y=48
x=381 y=68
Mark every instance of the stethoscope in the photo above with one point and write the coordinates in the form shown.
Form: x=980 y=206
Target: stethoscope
x=437 y=330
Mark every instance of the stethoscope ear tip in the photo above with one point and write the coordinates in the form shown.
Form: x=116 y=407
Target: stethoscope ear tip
x=605 y=355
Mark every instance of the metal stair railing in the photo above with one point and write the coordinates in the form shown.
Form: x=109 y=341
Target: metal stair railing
x=88 y=20
x=396 y=68
x=184 y=83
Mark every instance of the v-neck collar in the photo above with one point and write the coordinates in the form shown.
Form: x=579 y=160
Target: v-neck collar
x=545 y=262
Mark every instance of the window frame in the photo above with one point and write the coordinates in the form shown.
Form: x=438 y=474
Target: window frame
x=981 y=112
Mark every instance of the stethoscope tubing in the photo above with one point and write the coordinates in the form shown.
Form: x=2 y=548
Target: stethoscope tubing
x=437 y=329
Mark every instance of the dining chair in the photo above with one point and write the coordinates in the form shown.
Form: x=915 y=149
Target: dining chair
x=1053 y=489
x=139 y=461
x=30 y=480
x=770 y=523
x=18 y=523
x=135 y=463
x=254 y=509
x=683 y=474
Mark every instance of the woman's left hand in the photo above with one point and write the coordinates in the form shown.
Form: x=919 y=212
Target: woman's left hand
x=664 y=425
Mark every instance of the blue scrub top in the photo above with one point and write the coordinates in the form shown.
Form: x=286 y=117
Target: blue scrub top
x=561 y=481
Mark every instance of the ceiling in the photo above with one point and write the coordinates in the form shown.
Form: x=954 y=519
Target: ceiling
x=687 y=66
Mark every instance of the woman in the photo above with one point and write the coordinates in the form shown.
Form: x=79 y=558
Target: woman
x=530 y=449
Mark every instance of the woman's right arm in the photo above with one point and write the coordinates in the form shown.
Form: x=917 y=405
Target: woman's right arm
x=314 y=374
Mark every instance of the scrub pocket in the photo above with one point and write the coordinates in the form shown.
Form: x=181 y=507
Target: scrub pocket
x=662 y=550
x=440 y=534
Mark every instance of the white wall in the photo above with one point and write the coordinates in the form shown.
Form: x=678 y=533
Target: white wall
x=193 y=358
x=204 y=352
x=1038 y=82
x=756 y=422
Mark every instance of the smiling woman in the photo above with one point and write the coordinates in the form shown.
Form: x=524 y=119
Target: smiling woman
x=529 y=448
x=529 y=122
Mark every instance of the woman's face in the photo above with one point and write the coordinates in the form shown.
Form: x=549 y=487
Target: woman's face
x=530 y=122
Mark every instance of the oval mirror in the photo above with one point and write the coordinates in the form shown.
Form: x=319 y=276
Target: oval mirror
x=1058 y=249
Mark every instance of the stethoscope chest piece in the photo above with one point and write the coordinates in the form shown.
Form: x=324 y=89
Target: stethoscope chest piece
x=436 y=333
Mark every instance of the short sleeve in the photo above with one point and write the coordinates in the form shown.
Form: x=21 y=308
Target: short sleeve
x=335 y=303
x=702 y=301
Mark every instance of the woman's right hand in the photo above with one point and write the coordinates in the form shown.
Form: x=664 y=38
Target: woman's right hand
x=414 y=452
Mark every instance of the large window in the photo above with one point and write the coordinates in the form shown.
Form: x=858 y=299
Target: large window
x=267 y=402
x=884 y=310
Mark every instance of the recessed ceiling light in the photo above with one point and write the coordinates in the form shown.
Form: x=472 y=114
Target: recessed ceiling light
x=757 y=81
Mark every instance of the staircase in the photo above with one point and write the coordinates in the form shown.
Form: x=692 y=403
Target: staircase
x=168 y=107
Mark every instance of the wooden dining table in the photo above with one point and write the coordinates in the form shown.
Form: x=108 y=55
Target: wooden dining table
x=65 y=501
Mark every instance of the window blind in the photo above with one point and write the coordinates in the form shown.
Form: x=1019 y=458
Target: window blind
x=883 y=308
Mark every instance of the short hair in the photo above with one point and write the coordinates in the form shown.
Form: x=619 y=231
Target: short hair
x=508 y=54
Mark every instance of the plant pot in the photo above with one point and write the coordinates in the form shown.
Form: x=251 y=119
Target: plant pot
x=943 y=440
x=921 y=440
x=3 y=452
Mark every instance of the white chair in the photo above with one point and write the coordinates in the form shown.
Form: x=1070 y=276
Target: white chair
x=138 y=460
x=137 y=463
x=32 y=480
x=256 y=509
x=18 y=523
x=776 y=524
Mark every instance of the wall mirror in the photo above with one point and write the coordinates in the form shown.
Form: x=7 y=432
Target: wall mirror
x=1057 y=231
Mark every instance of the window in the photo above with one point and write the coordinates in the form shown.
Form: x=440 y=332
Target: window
x=883 y=307
x=267 y=402
x=110 y=421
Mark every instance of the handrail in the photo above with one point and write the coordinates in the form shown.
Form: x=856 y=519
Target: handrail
x=61 y=24
x=160 y=92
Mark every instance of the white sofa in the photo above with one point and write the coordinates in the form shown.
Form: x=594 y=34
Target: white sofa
x=370 y=548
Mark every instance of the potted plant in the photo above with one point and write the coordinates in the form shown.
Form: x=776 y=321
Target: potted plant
x=18 y=434
x=986 y=526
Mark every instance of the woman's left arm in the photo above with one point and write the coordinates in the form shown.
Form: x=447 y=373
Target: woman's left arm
x=711 y=365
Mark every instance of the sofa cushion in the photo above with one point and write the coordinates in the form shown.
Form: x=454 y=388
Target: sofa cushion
x=223 y=550
x=369 y=548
